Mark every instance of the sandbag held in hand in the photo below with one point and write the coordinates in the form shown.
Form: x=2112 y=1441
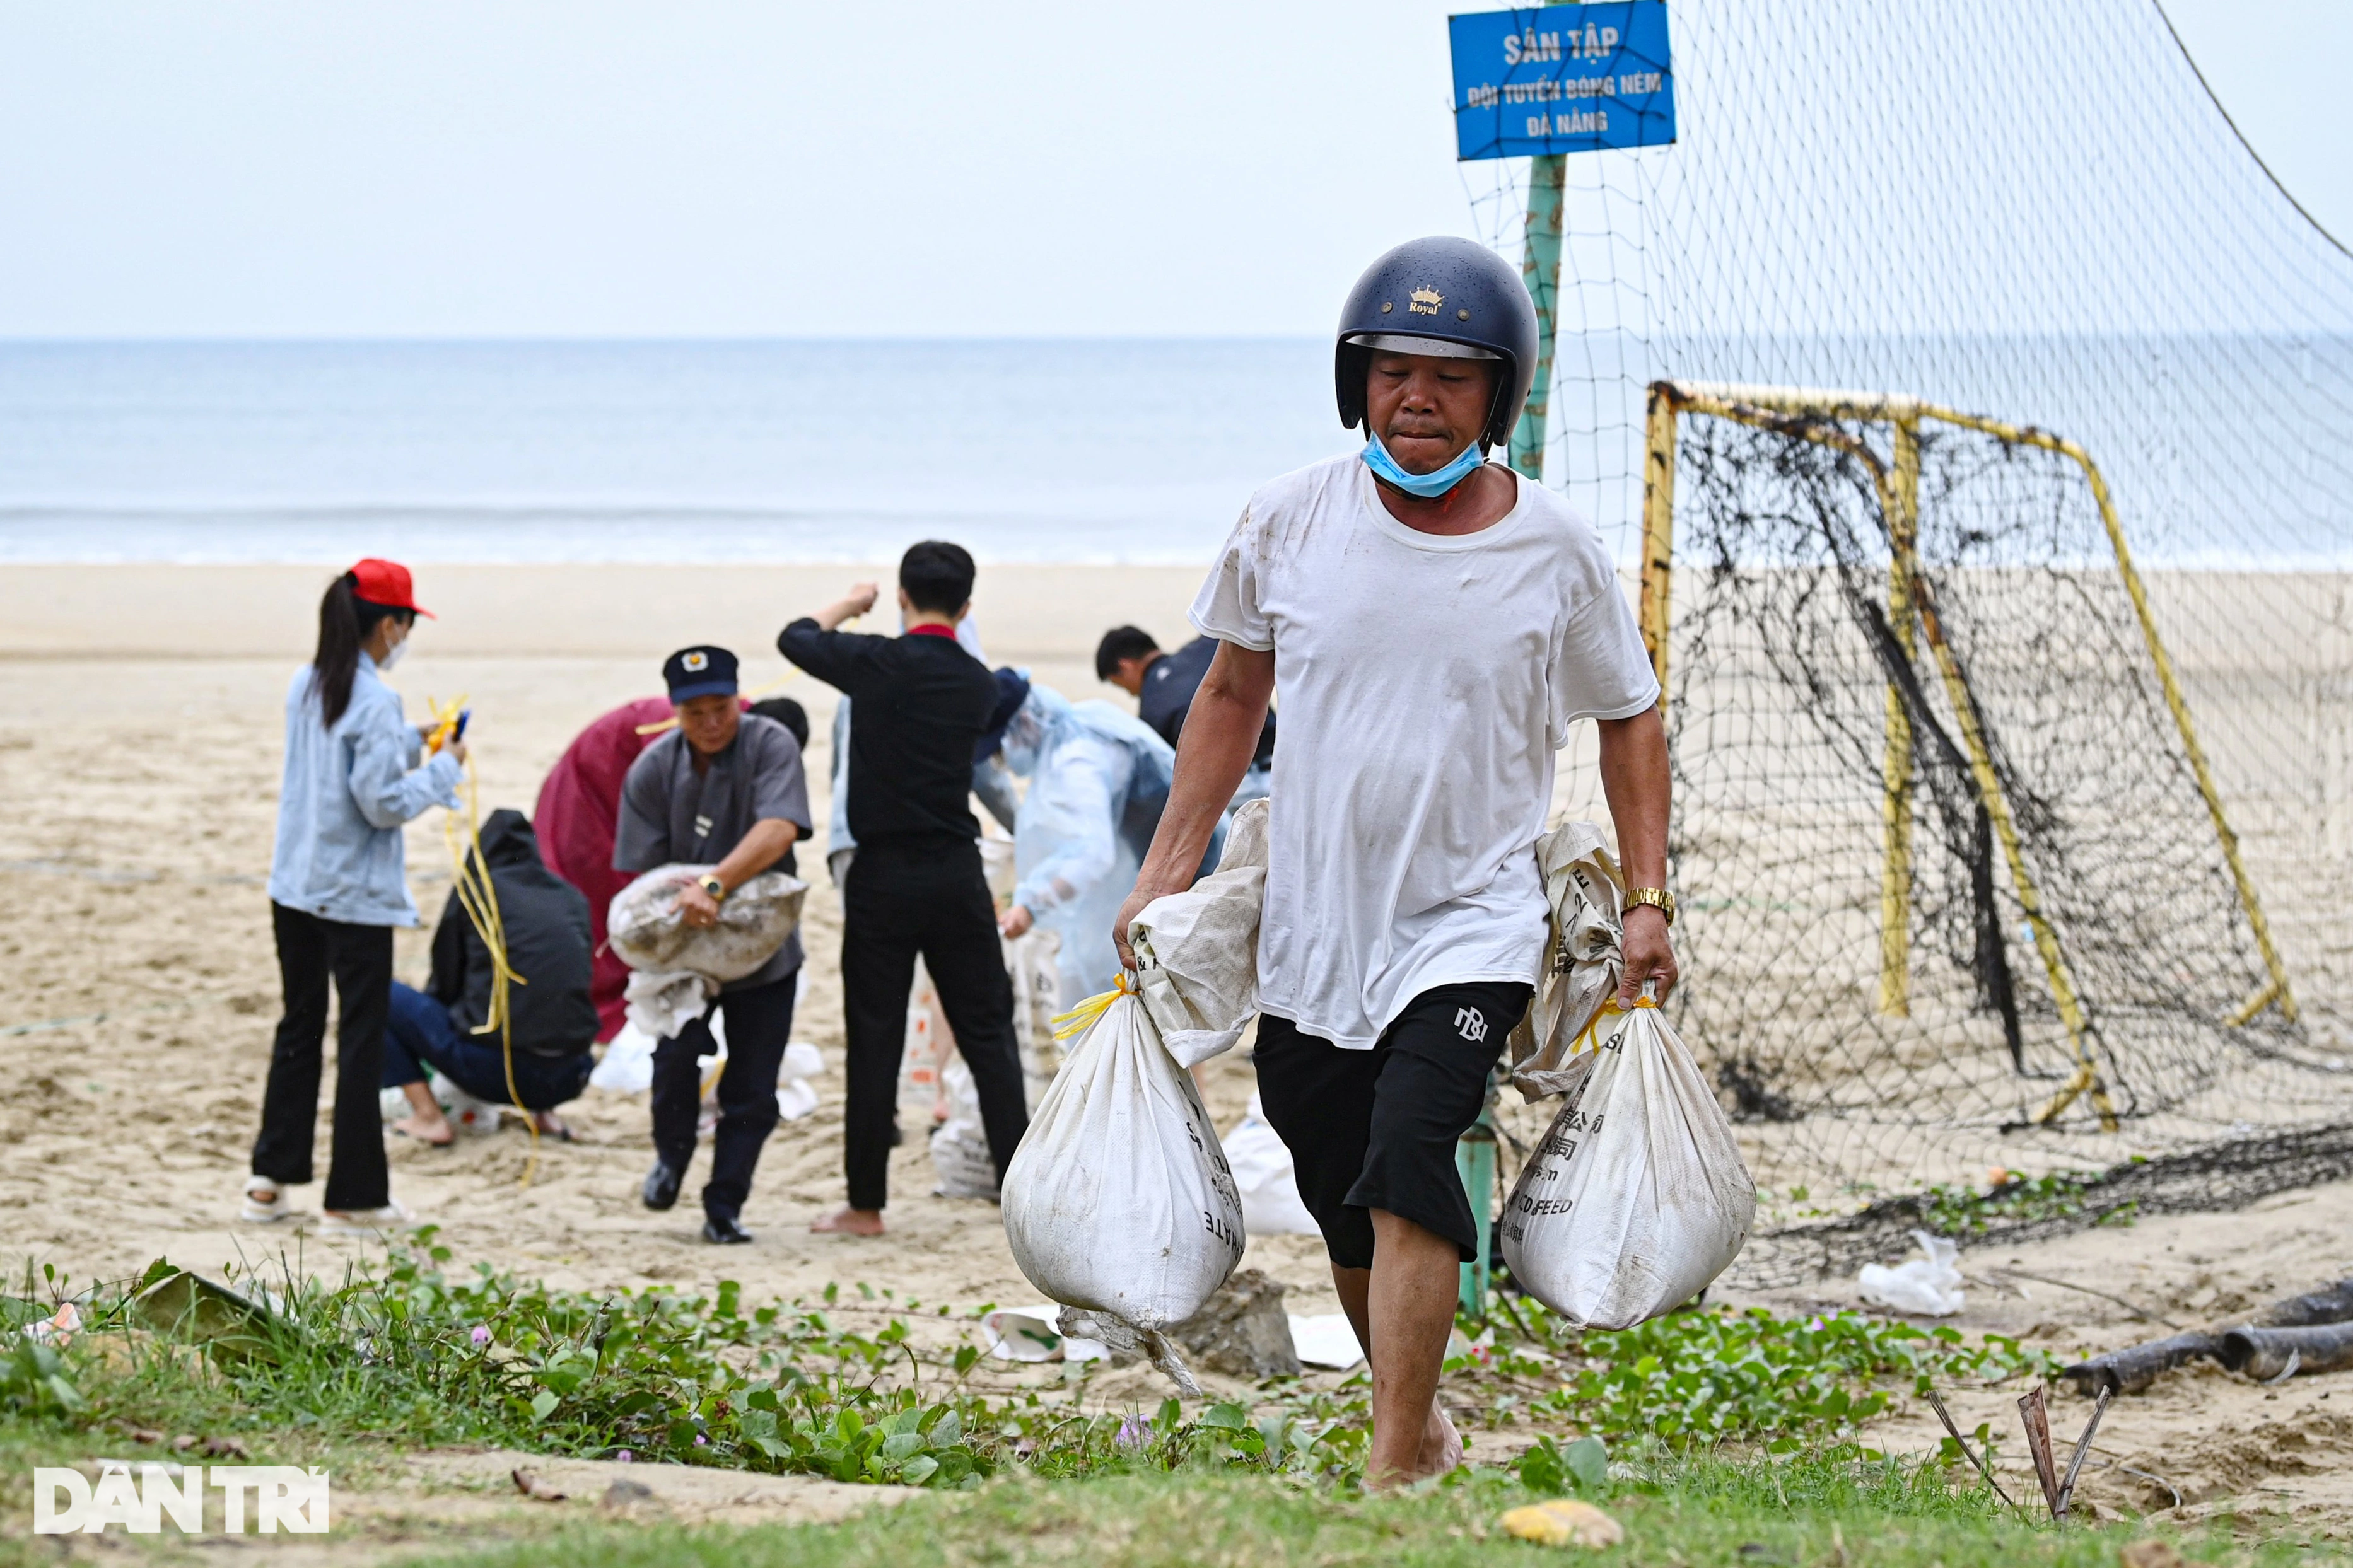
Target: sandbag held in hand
x=1637 y=1197
x=1197 y=952
x=1585 y=901
x=648 y=932
x=1119 y=1200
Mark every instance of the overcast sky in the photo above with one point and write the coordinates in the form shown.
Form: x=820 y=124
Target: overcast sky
x=388 y=168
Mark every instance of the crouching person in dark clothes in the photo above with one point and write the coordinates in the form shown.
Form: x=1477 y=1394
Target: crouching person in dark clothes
x=927 y=713
x=725 y=790
x=541 y=1058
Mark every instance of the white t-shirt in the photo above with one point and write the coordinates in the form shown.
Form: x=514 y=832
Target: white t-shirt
x=1425 y=683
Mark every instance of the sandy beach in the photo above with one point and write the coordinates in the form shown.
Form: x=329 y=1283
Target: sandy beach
x=139 y=756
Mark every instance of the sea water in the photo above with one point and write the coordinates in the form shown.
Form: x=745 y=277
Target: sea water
x=2222 y=451
x=749 y=451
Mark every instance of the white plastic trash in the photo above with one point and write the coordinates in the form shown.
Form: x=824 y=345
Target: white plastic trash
x=1264 y=1175
x=795 y=1096
x=1120 y=1201
x=1929 y=1286
x=1030 y=1334
x=1637 y=1197
x=1326 y=1340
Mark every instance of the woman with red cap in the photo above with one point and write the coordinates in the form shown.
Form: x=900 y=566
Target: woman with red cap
x=355 y=771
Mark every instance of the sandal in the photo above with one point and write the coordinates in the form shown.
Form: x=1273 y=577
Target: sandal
x=265 y=1202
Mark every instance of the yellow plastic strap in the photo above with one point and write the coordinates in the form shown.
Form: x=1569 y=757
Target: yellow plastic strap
x=479 y=897
x=1590 y=1040
x=1082 y=1018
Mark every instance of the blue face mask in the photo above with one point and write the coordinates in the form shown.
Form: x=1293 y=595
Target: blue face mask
x=1427 y=486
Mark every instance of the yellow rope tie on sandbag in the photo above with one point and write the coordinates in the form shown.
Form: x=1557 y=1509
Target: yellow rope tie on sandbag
x=1082 y=1018
x=479 y=897
x=1591 y=1039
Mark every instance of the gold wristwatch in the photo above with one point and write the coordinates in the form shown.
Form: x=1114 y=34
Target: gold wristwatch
x=1658 y=899
x=718 y=890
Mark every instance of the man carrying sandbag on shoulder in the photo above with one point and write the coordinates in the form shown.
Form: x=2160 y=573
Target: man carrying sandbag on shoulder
x=1435 y=623
x=726 y=789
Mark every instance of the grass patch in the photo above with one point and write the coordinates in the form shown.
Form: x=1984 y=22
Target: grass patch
x=1815 y=1512
x=409 y=1354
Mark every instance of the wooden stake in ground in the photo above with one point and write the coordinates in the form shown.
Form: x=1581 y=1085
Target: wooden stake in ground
x=2083 y=1446
x=2033 y=1410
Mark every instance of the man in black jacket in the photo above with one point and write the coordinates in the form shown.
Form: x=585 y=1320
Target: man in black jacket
x=542 y=1058
x=926 y=713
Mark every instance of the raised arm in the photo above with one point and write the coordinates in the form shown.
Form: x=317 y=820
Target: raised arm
x=1220 y=735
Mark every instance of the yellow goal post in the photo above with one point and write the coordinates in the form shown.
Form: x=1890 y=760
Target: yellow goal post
x=1821 y=416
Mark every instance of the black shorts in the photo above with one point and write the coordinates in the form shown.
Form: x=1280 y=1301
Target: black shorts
x=1376 y=1130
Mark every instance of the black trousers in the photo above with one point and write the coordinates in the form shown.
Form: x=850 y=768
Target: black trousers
x=359 y=960
x=932 y=900
x=759 y=1027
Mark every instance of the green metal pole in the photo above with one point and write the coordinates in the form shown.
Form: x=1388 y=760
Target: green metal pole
x=1474 y=1161
x=1540 y=270
x=1474 y=1156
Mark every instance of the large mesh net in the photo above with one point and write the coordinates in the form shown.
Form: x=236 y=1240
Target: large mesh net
x=2045 y=219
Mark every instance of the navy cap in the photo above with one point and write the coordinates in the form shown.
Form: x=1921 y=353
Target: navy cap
x=694 y=672
x=1012 y=691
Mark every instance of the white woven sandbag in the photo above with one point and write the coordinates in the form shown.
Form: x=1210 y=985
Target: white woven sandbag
x=1585 y=901
x=1266 y=1177
x=1119 y=1201
x=646 y=932
x=1637 y=1197
x=1197 y=952
x=961 y=1166
x=1033 y=962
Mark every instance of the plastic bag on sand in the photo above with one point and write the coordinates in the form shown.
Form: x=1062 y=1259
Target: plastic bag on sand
x=1637 y=1197
x=1263 y=1174
x=1197 y=952
x=1120 y=1205
x=647 y=933
x=961 y=1166
x=1929 y=1286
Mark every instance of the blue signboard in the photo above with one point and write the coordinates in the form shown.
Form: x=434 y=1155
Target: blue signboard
x=1562 y=79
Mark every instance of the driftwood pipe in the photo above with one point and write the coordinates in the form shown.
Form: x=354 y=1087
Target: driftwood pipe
x=2265 y=1354
x=2330 y=1308
x=2332 y=1305
x=2134 y=1368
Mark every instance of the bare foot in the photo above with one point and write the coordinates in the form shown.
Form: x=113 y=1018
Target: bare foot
x=1442 y=1445
x=851 y=1222
x=437 y=1131
x=550 y=1125
x=1441 y=1451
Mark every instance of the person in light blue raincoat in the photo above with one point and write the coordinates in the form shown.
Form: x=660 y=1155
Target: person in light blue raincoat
x=1098 y=779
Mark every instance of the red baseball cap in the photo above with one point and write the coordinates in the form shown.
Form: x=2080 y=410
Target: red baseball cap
x=386 y=583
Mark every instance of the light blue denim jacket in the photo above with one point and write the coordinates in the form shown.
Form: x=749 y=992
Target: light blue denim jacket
x=340 y=804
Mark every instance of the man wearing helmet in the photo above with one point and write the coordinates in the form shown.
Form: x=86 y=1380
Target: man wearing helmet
x=1436 y=624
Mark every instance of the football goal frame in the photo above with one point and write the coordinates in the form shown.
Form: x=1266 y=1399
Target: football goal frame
x=1823 y=417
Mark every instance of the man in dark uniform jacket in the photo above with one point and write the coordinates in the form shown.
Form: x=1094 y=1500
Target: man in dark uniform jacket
x=1163 y=683
x=925 y=710
x=724 y=790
